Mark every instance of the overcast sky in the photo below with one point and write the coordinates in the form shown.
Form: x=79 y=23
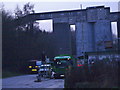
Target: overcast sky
x=58 y=6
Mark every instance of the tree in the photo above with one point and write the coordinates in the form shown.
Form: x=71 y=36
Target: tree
x=21 y=44
x=28 y=9
x=18 y=12
x=8 y=39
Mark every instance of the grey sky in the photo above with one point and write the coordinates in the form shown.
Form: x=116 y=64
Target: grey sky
x=57 y=6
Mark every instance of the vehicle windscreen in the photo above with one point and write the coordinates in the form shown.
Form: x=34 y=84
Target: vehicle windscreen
x=61 y=63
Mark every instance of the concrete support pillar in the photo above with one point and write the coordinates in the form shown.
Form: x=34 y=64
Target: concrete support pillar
x=103 y=33
x=84 y=37
x=62 y=38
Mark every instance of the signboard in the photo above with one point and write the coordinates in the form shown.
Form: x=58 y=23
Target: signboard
x=108 y=44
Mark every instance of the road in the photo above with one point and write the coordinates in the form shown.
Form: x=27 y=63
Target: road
x=28 y=81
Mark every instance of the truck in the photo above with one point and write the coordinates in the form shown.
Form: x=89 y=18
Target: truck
x=61 y=64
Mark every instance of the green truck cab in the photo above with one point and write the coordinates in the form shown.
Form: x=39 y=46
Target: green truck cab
x=60 y=65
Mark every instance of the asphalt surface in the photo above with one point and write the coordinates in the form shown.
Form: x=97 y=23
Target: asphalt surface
x=28 y=81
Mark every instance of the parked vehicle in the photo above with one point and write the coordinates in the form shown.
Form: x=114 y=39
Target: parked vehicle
x=33 y=67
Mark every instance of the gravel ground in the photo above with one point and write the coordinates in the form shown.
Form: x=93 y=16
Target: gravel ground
x=28 y=81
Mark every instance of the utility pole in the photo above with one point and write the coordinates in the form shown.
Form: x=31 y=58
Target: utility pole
x=80 y=6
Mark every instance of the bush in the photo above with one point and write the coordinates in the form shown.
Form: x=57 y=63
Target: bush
x=103 y=74
x=76 y=74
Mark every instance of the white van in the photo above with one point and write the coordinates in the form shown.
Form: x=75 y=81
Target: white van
x=45 y=70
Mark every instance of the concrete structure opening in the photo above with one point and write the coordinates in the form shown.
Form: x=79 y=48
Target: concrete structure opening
x=115 y=35
x=45 y=25
x=72 y=27
x=114 y=29
x=73 y=39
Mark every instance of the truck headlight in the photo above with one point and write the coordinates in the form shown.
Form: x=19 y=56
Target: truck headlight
x=30 y=66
